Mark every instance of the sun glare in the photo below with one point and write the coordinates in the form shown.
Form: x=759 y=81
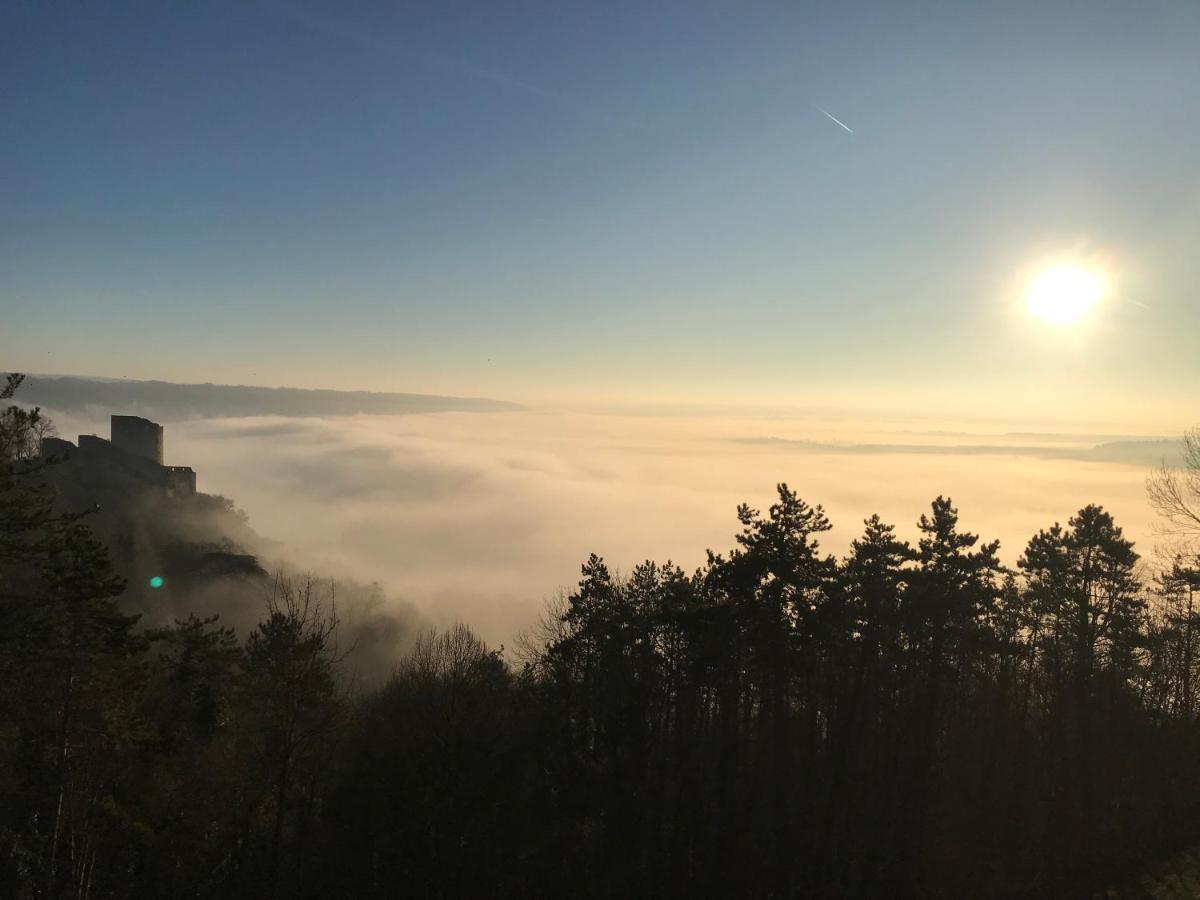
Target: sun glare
x=1062 y=295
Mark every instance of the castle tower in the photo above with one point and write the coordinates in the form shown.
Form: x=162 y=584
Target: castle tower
x=139 y=436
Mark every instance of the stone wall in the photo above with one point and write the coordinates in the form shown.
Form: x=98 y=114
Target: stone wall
x=139 y=436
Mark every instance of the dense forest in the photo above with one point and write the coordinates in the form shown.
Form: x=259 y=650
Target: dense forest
x=909 y=720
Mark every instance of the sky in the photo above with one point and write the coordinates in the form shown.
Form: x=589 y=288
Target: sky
x=609 y=203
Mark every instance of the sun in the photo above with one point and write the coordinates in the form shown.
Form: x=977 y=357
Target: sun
x=1062 y=294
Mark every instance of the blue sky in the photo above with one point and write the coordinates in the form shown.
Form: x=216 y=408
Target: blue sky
x=606 y=201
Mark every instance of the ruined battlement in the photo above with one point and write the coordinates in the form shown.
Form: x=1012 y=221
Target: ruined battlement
x=139 y=436
x=135 y=448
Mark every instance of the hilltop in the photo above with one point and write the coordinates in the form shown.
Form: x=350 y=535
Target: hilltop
x=181 y=551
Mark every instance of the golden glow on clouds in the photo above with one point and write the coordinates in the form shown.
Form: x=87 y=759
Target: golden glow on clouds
x=1062 y=294
x=437 y=504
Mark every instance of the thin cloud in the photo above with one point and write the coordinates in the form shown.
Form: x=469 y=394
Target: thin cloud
x=438 y=61
x=1133 y=452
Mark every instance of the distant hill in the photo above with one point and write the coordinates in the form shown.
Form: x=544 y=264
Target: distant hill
x=164 y=401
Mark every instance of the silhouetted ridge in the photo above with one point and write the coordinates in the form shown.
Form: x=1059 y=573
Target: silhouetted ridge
x=168 y=402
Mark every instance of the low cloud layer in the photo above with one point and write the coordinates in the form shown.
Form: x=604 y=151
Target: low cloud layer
x=482 y=516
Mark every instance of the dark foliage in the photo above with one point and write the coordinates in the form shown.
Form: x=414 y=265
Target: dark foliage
x=906 y=721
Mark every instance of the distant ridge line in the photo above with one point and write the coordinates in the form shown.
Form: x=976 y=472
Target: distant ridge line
x=171 y=401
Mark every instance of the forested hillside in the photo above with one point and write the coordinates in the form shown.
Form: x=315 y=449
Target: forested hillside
x=909 y=720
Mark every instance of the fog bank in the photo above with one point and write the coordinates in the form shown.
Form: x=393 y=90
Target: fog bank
x=482 y=516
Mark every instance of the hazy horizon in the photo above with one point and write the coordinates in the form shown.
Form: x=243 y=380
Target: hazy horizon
x=1150 y=423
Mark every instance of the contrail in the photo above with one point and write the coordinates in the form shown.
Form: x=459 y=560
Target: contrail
x=833 y=118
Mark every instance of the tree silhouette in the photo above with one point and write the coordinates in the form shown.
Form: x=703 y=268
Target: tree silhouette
x=909 y=720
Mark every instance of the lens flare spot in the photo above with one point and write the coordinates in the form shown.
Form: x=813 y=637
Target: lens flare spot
x=157 y=581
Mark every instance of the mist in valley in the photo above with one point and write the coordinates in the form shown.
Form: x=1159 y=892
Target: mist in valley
x=483 y=517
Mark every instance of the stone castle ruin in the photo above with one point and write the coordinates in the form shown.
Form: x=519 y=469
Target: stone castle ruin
x=135 y=447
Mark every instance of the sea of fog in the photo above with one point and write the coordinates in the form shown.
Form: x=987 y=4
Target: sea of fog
x=483 y=516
